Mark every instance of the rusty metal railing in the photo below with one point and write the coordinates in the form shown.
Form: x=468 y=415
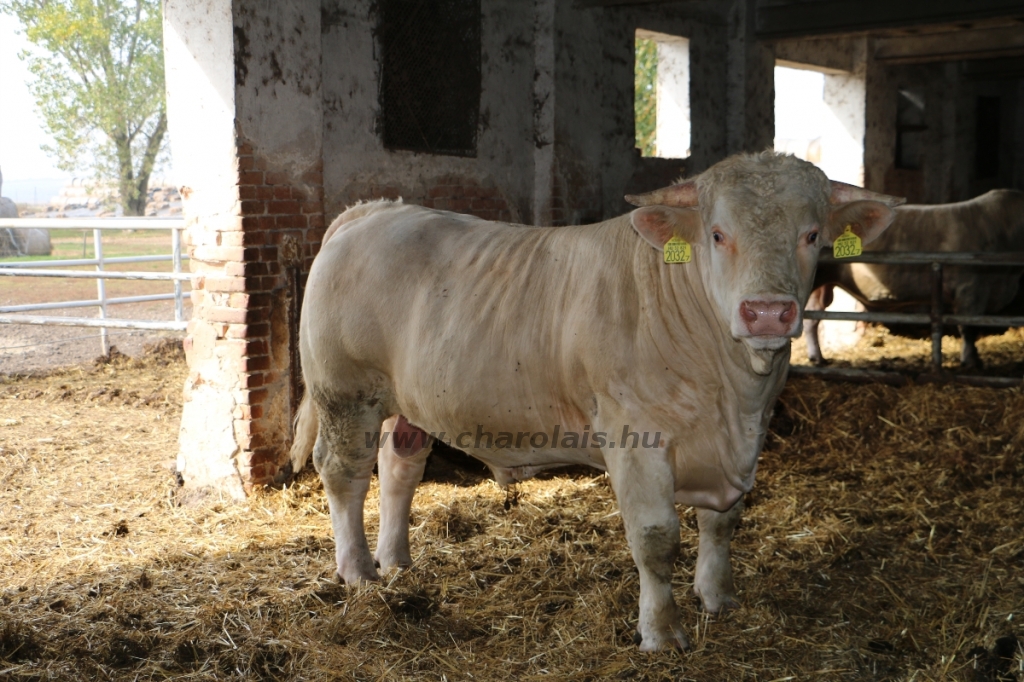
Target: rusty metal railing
x=935 y=317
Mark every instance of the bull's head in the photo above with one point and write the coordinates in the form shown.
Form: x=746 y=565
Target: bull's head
x=756 y=224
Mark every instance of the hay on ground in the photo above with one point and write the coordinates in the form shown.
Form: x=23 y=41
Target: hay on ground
x=883 y=542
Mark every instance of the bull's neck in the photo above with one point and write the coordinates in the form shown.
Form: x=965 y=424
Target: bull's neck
x=687 y=330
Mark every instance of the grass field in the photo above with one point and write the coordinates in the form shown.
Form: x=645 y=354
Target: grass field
x=70 y=244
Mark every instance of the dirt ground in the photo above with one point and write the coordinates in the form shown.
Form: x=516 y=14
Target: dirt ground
x=884 y=541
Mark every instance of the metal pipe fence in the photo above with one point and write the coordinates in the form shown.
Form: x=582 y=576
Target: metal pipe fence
x=935 y=317
x=55 y=268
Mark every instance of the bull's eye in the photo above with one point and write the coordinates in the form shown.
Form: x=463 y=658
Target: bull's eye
x=718 y=237
x=812 y=237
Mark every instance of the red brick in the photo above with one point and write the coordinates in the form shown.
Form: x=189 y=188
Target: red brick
x=277 y=178
x=236 y=269
x=283 y=192
x=268 y=253
x=224 y=284
x=244 y=148
x=246 y=163
x=286 y=207
x=254 y=207
x=224 y=314
x=238 y=300
x=265 y=192
x=312 y=207
x=221 y=253
x=251 y=177
x=256 y=346
x=247 y=192
x=313 y=177
x=258 y=315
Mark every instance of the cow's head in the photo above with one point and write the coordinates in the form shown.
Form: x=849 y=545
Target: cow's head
x=756 y=224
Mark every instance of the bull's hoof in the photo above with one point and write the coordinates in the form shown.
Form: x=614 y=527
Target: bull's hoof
x=718 y=607
x=353 y=572
x=672 y=639
x=716 y=601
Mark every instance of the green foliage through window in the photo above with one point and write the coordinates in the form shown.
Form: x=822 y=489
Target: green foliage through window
x=645 y=96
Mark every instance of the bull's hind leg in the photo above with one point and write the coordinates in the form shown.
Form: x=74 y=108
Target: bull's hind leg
x=400 y=464
x=713 y=577
x=344 y=455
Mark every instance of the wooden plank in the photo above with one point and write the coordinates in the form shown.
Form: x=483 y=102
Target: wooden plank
x=784 y=19
x=1004 y=41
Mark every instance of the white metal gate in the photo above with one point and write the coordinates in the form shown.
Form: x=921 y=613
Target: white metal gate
x=57 y=268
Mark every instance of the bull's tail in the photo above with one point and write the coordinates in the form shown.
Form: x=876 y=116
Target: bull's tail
x=307 y=425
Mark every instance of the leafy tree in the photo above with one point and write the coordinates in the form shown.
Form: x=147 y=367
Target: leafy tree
x=99 y=86
x=645 y=100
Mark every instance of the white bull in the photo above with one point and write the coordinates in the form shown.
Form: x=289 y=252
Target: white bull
x=435 y=322
x=993 y=222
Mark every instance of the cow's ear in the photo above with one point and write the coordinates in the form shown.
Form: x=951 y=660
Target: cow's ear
x=658 y=224
x=866 y=219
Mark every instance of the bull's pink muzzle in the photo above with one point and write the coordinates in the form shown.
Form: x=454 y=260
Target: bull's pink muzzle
x=770 y=318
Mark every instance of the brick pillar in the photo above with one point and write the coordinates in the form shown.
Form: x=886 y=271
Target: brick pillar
x=245 y=110
x=282 y=224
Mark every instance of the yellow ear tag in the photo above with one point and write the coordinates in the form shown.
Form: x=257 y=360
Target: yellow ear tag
x=846 y=245
x=677 y=250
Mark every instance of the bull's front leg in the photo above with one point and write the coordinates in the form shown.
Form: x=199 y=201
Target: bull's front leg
x=713 y=576
x=644 y=484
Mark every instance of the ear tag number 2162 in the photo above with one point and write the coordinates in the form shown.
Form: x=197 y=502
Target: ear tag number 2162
x=677 y=250
x=847 y=245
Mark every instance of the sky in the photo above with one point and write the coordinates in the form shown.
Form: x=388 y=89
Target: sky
x=20 y=132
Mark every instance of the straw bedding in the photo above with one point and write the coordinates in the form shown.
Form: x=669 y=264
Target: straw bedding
x=883 y=542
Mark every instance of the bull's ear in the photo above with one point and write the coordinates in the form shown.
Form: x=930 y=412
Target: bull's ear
x=866 y=219
x=658 y=224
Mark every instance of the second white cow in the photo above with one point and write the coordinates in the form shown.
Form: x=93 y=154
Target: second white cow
x=436 y=322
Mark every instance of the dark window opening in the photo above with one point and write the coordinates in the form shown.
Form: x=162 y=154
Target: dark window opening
x=910 y=130
x=430 y=75
x=986 y=138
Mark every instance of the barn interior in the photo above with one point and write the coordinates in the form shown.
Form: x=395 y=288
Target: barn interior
x=883 y=540
x=282 y=114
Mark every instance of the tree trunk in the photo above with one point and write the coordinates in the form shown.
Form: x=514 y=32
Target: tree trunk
x=135 y=188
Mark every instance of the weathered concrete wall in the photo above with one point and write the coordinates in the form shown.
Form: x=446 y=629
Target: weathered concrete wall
x=556 y=142
x=201 y=114
x=497 y=184
x=949 y=90
x=596 y=160
x=950 y=93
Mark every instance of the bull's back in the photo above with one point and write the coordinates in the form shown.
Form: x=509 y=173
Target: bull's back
x=991 y=223
x=442 y=309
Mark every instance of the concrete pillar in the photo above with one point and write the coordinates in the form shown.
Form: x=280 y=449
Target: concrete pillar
x=245 y=113
x=750 y=88
x=842 y=143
